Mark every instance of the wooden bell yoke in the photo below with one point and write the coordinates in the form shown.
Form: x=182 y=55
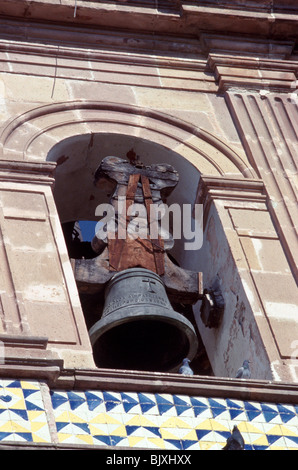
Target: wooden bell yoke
x=129 y=252
x=145 y=185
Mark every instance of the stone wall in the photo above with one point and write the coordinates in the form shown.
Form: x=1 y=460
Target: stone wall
x=211 y=90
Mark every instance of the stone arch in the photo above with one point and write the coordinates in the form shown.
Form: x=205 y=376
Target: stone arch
x=31 y=135
x=39 y=135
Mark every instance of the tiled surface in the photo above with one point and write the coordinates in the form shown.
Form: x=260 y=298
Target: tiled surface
x=162 y=421
x=141 y=420
x=22 y=414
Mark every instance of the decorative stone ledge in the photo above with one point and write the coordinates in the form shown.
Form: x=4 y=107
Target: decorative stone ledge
x=149 y=382
x=264 y=19
x=27 y=172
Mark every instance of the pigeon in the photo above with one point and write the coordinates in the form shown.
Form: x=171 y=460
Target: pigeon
x=235 y=441
x=185 y=369
x=244 y=371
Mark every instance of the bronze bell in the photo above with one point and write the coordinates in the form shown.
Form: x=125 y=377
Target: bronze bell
x=139 y=329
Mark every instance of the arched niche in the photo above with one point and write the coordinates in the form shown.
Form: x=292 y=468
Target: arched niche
x=78 y=157
x=77 y=135
x=81 y=133
x=31 y=135
x=76 y=196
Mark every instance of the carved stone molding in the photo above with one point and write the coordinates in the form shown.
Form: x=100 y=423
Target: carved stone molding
x=229 y=189
x=253 y=73
x=27 y=172
x=263 y=18
x=254 y=48
x=268 y=128
x=32 y=135
x=175 y=383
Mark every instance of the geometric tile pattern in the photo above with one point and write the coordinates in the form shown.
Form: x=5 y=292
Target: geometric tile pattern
x=22 y=414
x=142 y=420
x=164 y=421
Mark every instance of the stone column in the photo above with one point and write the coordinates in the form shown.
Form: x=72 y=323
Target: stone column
x=258 y=80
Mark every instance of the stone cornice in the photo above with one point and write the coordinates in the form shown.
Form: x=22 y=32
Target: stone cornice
x=154 y=382
x=226 y=62
x=274 y=76
x=27 y=172
x=267 y=19
x=228 y=188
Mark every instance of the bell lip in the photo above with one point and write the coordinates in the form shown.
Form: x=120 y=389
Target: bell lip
x=112 y=320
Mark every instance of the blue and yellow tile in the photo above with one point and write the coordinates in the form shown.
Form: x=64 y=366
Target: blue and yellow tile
x=178 y=422
x=22 y=413
x=143 y=420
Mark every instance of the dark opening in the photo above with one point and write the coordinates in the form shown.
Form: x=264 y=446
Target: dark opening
x=141 y=345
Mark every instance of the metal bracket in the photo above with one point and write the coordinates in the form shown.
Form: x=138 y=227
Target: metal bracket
x=212 y=308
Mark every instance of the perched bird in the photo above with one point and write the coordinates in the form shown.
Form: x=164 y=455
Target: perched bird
x=235 y=441
x=244 y=371
x=185 y=369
